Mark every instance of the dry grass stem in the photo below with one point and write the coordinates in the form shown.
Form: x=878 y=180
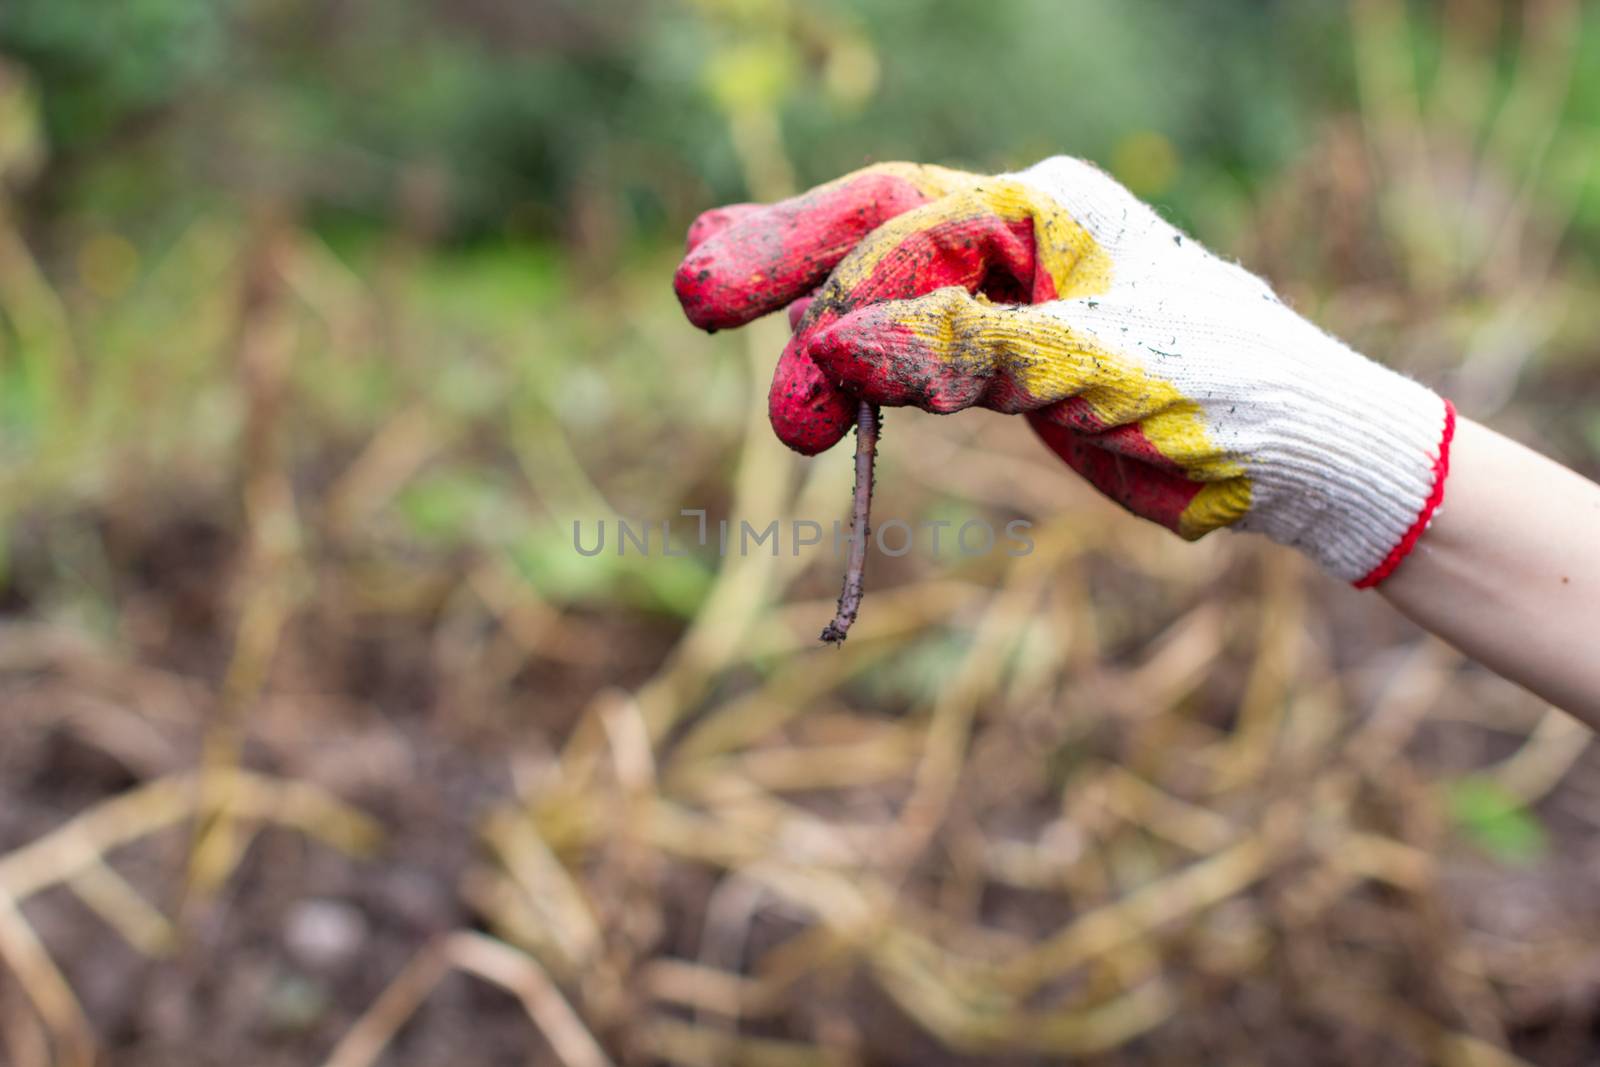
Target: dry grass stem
x=485 y=958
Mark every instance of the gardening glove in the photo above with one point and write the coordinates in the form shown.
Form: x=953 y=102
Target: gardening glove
x=1176 y=382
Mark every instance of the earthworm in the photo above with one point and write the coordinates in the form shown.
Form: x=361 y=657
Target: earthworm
x=867 y=430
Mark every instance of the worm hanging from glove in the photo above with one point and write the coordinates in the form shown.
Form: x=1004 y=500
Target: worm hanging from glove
x=868 y=427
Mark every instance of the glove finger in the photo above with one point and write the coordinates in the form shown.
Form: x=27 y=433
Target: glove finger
x=808 y=410
x=797 y=311
x=949 y=350
x=710 y=223
x=995 y=236
x=939 y=352
x=757 y=261
x=957 y=240
x=813 y=410
x=804 y=400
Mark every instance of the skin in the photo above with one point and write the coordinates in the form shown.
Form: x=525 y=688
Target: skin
x=1509 y=570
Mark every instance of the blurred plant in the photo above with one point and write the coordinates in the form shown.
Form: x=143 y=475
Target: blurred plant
x=1496 y=820
x=22 y=146
x=337 y=105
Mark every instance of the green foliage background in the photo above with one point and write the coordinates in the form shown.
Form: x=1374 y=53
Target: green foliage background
x=152 y=102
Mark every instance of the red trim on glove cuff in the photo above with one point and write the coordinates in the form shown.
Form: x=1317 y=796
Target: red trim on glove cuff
x=1441 y=468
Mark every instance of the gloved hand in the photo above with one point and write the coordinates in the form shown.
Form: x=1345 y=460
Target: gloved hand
x=1176 y=382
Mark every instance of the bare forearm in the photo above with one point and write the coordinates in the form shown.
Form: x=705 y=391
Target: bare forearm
x=1509 y=570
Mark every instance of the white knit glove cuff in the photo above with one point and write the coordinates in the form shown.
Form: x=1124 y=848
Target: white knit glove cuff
x=1357 y=471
